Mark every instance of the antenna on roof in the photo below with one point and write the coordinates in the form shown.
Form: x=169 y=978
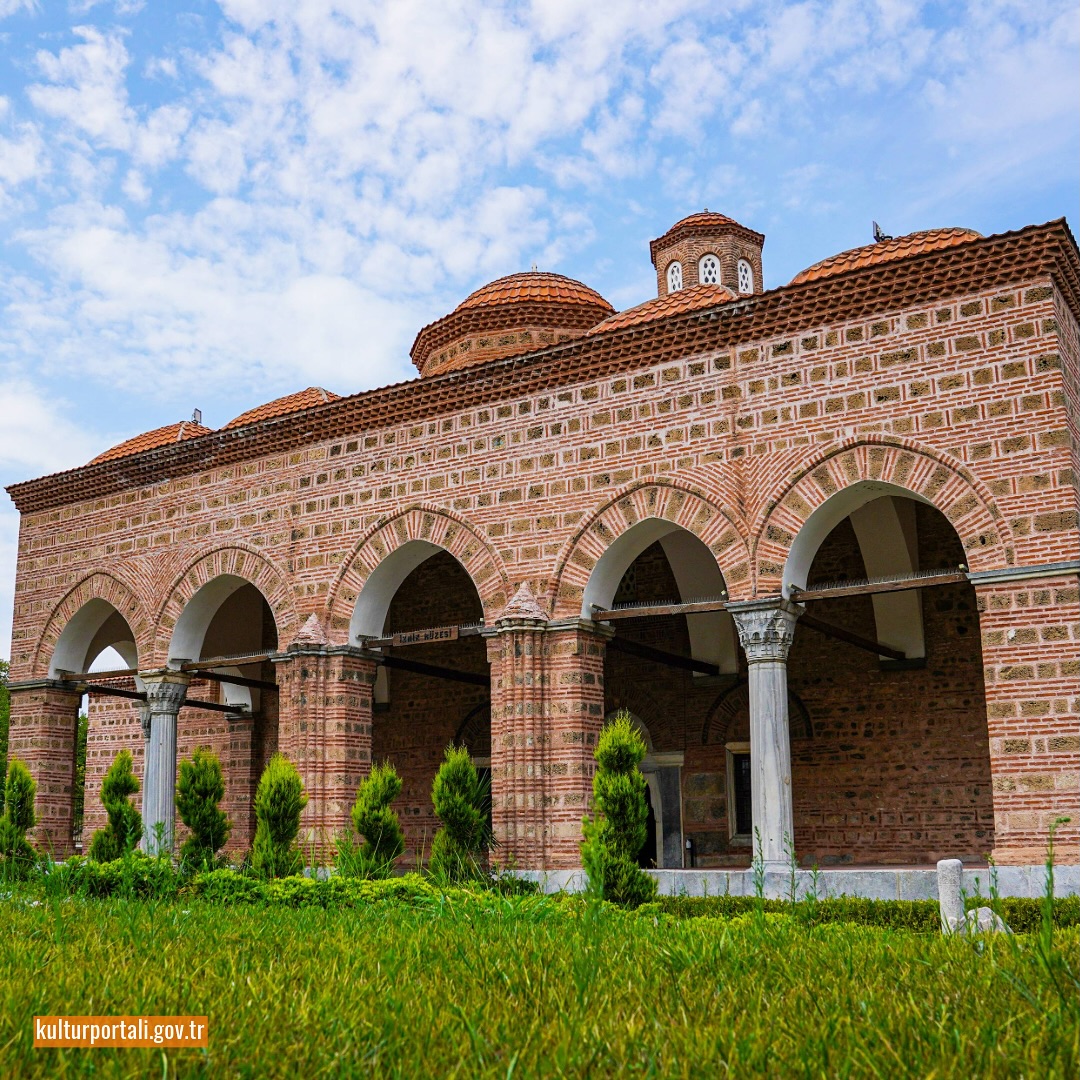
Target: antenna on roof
x=879 y=236
x=196 y=416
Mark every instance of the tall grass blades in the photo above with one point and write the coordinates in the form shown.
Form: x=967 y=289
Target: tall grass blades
x=199 y=789
x=616 y=833
x=125 y=827
x=279 y=801
x=484 y=986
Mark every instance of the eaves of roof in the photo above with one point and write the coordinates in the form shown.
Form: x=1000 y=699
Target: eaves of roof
x=1034 y=252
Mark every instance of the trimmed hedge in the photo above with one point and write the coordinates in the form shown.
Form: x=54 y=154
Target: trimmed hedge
x=138 y=874
x=920 y=916
x=144 y=876
x=1023 y=914
x=229 y=887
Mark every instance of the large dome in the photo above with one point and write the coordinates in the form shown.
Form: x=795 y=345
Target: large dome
x=883 y=251
x=534 y=285
x=310 y=398
x=514 y=314
x=151 y=440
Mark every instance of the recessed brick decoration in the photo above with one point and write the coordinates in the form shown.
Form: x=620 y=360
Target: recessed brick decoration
x=945 y=374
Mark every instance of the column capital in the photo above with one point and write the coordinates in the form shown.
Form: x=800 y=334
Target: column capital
x=766 y=627
x=165 y=690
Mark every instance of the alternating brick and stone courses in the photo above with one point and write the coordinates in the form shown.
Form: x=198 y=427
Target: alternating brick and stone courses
x=906 y=415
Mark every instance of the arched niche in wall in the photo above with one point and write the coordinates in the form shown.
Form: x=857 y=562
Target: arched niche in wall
x=697 y=576
x=883 y=517
x=95 y=628
x=228 y=616
x=373 y=603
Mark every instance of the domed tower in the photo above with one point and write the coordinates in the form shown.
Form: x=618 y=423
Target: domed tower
x=708 y=249
x=512 y=315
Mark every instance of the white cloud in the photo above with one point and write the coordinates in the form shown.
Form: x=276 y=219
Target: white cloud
x=22 y=156
x=286 y=190
x=39 y=434
x=85 y=87
x=14 y=7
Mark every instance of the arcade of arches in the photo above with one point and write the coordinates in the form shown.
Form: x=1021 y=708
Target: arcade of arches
x=820 y=541
x=890 y=761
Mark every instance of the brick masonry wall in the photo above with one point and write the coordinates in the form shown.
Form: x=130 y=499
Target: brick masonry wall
x=898 y=766
x=728 y=249
x=424 y=715
x=968 y=400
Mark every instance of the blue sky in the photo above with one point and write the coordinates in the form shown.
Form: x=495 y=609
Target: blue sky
x=207 y=205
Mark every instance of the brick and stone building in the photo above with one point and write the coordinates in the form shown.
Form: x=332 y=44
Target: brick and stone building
x=821 y=541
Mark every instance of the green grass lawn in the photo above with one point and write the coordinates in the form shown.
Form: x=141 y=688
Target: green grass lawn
x=497 y=987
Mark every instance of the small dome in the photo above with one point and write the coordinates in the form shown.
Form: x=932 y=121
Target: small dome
x=534 y=285
x=703 y=217
x=282 y=406
x=151 y=440
x=883 y=251
x=516 y=314
x=692 y=298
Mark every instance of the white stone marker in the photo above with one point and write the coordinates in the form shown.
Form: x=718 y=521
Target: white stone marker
x=954 y=919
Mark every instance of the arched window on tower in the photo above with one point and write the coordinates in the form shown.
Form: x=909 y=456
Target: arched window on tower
x=746 y=277
x=709 y=270
x=674 y=276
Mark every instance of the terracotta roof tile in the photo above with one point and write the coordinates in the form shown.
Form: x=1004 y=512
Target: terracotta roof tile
x=302 y=399
x=1036 y=252
x=704 y=217
x=533 y=302
x=899 y=247
x=533 y=285
x=679 y=302
x=151 y=440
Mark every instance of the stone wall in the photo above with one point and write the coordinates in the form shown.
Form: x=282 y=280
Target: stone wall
x=963 y=400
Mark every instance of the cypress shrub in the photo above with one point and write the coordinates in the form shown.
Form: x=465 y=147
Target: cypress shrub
x=18 y=817
x=377 y=824
x=200 y=788
x=615 y=835
x=461 y=802
x=125 y=827
x=279 y=801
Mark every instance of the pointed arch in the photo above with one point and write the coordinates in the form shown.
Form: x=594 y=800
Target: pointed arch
x=677 y=505
x=233 y=567
x=734 y=704
x=639 y=702
x=867 y=469
x=415 y=533
x=81 y=614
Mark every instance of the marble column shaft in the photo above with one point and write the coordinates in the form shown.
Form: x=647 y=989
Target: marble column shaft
x=165 y=694
x=766 y=630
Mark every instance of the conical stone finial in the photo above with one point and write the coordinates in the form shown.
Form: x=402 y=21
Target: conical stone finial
x=524 y=605
x=311 y=633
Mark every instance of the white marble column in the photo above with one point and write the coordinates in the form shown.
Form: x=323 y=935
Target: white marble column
x=165 y=693
x=766 y=629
